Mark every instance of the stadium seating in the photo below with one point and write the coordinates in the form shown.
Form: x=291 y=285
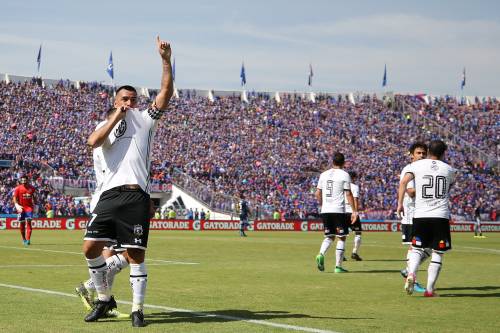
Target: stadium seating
x=272 y=151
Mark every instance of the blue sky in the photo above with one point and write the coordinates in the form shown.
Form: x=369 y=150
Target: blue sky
x=425 y=44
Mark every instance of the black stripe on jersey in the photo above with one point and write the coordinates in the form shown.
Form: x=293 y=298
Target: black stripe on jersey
x=138 y=276
x=97 y=267
x=155 y=113
x=435 y=262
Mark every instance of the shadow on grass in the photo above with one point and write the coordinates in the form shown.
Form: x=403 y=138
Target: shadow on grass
x=471 y=295
x=473 y=288
x=382 y=260
x=227 y=316
x=480 y=288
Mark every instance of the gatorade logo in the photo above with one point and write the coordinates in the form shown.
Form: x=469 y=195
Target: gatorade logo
x=303 y=226
x=70 y=224
x=196 y=225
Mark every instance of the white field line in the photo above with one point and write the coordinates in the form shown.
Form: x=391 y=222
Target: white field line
x=62 y=266
x=195 y=313
x=172 y=262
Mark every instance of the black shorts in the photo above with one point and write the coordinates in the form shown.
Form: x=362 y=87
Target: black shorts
x=406 y=233
x=356 y=226
x=121 y=215
x=335 y=224
x=431 y=233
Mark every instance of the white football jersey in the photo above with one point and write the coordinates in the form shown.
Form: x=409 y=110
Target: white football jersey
x=100 y=171
x=408 y=202
x=333 y=183
x=127 y=149
x=355 y=194
x=99 y=163
x=433 y=179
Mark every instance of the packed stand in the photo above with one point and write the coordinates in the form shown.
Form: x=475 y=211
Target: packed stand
x=272 y=151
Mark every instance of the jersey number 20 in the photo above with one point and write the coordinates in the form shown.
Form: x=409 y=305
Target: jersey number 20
x=436 y=187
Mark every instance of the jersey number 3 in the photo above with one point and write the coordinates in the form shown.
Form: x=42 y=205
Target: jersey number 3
x=436 y=187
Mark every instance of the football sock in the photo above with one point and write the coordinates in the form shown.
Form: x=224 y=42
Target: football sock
x=138 y=282
x=22 y=228
x=339 y=253
x=357 y=243
x=98 y=274
x=89 y=285
x=28 y=230
x=115 y=264
x=408 y=258
x=433 y=270
x=327 y=242
x=414 y=262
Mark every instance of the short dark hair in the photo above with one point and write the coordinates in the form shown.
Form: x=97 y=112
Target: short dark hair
x=353 y=174
x=126 y=87
x=437 y=148
x=418 y=144
x=338 y=159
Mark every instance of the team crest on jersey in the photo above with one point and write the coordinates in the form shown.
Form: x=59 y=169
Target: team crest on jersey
x=434 y=166
x=416 y=241
x=122 y=128
x=138 y=231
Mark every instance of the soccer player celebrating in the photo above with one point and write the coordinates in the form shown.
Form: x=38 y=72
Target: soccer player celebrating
x=24 y=200
x=330 y=195
x=431 y=228
x=356 y=226
x=418 y=150
x=116 y=257
x=123 y=209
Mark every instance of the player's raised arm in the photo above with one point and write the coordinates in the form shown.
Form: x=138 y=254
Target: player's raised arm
x=167 y=84
x=402 y=190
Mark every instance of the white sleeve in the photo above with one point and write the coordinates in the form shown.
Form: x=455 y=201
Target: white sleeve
x=107 y=141
x=355 y=190
x=347 y=182
x=410 y=168
x=320 y=182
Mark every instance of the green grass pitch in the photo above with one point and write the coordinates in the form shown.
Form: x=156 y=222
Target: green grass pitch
x=267 y=282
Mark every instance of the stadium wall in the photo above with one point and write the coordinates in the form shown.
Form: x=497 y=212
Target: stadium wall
x=190 y=201
x=79 y=223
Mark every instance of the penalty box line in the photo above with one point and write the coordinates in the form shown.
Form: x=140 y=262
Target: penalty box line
x=195 y=313
x=173 y=262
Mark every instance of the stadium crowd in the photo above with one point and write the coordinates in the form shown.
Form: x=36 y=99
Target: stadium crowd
x=271 y=151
